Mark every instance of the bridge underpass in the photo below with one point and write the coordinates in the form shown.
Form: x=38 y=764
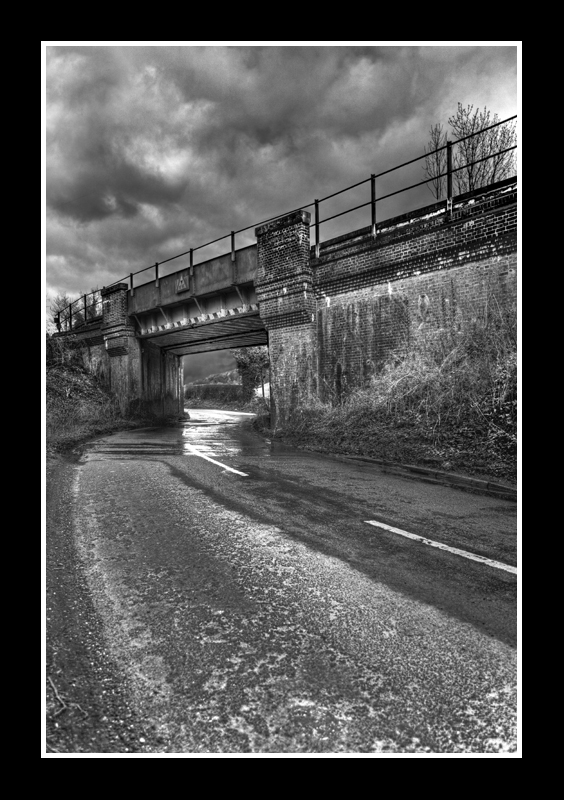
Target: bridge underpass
x=138 y=342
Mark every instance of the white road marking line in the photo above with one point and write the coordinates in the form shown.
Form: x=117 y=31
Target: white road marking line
x=196 y=452
x=440 y=546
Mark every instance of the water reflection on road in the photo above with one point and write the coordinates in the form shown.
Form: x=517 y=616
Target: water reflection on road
x=218 y=433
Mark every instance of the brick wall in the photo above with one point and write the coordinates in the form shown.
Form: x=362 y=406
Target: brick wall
x=334 y=320
x=482 y=225
x=424 y=272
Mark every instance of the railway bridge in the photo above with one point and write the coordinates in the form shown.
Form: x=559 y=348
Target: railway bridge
x=331 y=313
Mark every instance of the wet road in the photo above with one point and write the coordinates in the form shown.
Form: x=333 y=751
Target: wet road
x=251 y=607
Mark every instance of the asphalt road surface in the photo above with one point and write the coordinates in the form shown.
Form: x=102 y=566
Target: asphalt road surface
x=230 y=596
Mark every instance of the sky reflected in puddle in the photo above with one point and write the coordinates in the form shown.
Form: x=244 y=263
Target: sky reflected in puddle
x=206 y=432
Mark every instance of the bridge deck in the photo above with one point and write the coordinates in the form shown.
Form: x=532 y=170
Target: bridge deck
x=245 y=329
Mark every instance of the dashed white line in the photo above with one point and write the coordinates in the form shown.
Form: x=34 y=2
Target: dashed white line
x=196 y=452
x=441 y=546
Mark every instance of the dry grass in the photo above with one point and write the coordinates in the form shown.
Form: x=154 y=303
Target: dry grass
x=451 y=402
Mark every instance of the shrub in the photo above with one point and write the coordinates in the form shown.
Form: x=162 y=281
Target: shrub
x=64 y=350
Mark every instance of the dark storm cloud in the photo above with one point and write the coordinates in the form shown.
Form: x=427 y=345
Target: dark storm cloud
x=154 y=149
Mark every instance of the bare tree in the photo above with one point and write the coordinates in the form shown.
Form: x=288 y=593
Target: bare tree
x=68 y=310
x=63 y=305
x=436 y=162
x=489 y=148
x=60 y=307
x=496 y=165
x=93 y=304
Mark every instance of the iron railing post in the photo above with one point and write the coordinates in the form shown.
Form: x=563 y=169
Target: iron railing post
x=317 y=228
x=156 y=273
x=70 y=317
x=191 y=271
x=131 y=283
x=233 y=264
x=85 y=307
x=373 y=203
x=449 y=178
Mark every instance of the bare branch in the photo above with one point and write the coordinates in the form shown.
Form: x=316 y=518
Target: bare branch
x=482 y=145
x=435 y=163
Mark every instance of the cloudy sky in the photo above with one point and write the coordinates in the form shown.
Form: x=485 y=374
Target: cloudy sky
x=152 y=149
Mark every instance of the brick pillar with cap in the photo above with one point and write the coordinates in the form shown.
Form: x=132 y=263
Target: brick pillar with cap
x=116 y=326
x=121 y=346
x=285 y=291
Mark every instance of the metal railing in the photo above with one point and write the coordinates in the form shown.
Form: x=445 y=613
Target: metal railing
x=64 y=318
x=448 y=174
x=79 y=312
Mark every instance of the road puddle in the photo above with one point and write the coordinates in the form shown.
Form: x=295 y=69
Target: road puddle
x=217 y=433
x=214 y=433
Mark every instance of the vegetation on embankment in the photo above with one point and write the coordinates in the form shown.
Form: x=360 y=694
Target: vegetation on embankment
x=450 y=403
x=196 y=394
x=77 y=403
x=237 y=389
x=228 y=397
